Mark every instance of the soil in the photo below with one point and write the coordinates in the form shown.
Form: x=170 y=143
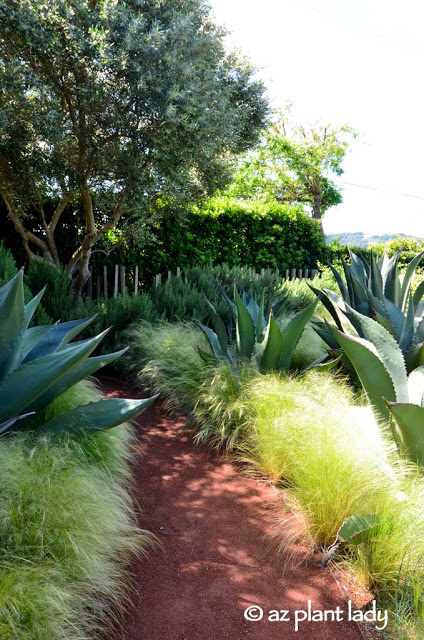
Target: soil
x=215 y=560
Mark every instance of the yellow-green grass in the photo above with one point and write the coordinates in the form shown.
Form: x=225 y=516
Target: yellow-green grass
x=67 y=530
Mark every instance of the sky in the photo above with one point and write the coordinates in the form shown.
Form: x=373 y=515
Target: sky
x=355 y=62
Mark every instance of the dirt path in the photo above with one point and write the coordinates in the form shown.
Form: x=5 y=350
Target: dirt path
x=214 y=564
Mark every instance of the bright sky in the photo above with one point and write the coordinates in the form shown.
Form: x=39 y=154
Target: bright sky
x=356 y=62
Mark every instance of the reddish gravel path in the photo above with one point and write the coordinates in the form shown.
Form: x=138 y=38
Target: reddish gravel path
x=214 y=564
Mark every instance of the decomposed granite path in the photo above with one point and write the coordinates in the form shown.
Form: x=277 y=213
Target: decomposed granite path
x=214 y=569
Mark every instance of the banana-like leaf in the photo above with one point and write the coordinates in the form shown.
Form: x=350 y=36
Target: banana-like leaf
x=407 y=279
x=65 y=382
x=30 y=308
x=273 y=343
x=292 y=333
x=388 y=352
x=370 y=370
x=358 y=528
x=24 y=385
x=58 y=336
x=219 y=327
x=95 y=416
x=418 y=294
x=408 y=430
x=11 y=318
x=416 y=386
x=245 y=330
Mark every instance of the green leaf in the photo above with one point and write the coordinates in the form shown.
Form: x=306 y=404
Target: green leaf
x=328 y=304
x=414 y=357
x=292 y=333
x=376 y=280
x=396 y=316
x=369 y=368
x=408 y=430
x=416 y=386
x=219 y=327
x=390 y=275
x=361 y=298
x=357 y=269
x=24 y=385
x=323 y=363
x=245 y=330
x=212 y=338
x=57 y=337
x=261 y=324
x=207 y=358
x=340 y=282
x=30 y=309
x=389 y=353
x=418 y=294
x=68 y=380
x=358 y=528
x=407 y=279
x=11 y=318
x=95 y=416
x=273 y=344
x=407 y=335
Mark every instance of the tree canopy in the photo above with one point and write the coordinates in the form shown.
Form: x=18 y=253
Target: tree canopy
x=294 y=163
x=108 y=106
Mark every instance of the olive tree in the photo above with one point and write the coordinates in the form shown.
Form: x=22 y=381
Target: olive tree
x=110 y=105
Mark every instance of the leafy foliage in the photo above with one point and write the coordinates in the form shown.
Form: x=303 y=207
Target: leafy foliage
x=39 y=364
x=111 y=105
x=292 y=165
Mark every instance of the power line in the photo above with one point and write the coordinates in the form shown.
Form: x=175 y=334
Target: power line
x=395 y=193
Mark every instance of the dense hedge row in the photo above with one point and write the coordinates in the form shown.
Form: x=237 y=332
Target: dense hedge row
x=227 y=231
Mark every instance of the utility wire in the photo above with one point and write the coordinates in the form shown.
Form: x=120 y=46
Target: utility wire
x=396 y=193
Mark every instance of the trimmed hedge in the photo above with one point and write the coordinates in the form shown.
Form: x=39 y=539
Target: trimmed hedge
x=227 y=231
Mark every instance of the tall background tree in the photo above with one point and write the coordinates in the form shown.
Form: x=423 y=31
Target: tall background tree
x=109 y=106
x=295 y=164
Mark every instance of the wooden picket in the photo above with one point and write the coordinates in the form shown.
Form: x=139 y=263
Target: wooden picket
x=120 y=283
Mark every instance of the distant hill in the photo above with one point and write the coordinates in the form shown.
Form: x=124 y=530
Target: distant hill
x=360 y=239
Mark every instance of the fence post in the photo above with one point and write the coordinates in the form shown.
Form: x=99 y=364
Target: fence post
x=90 y=282
x=123 y=288
x=306 y=274
x=262 y=273
x=136 y=281
x=286 y=274
x=158 y=280
x=115 y=288
x=178 y=272
x=293 y=274
x=105 y=282
x=299 y=274
x=169 y=275
x=314 y=273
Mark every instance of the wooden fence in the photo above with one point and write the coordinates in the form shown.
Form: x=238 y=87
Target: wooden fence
x=120 y=277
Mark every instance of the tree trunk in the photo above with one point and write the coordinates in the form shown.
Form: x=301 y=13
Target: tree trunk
x=316 y=211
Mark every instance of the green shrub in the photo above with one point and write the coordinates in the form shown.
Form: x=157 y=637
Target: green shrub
x=259 y=235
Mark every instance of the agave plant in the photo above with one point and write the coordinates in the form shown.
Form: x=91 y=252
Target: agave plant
x=381 y=368
x=38 y=364
x=256 y=337
x=376 y=291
